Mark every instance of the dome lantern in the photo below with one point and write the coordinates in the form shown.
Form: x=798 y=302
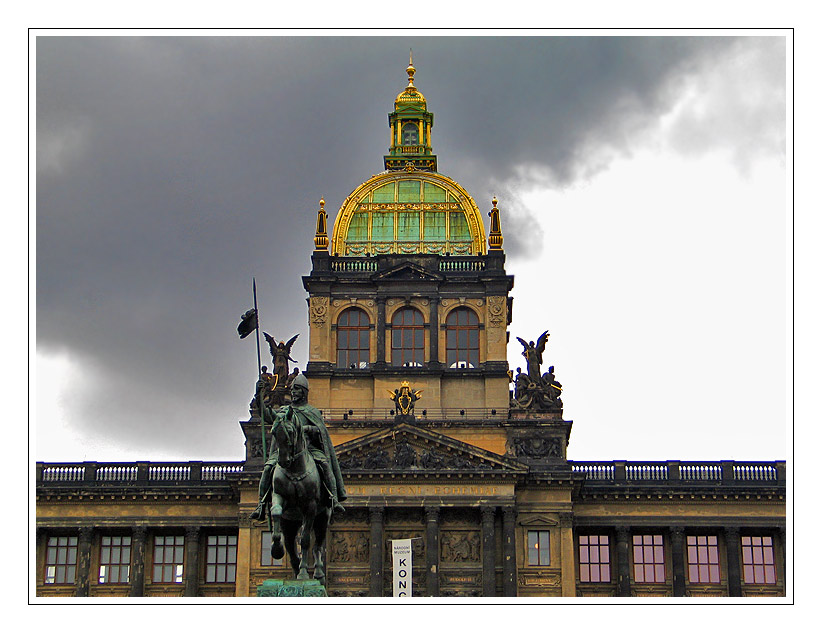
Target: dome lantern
x=410 y=124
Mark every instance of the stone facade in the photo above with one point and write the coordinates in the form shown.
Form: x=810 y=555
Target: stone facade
x=482 y=487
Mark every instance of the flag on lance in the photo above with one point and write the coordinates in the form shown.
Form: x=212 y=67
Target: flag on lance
x=401 y=554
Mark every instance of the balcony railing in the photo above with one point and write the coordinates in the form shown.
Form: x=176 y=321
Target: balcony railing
x=724 y=471
x=422 y=414
x=135 y=472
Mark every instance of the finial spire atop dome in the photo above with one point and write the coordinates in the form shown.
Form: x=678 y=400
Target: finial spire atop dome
x=411 y=125
x=410 y=70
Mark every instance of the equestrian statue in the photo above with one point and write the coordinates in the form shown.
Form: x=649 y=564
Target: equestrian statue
x=301 y=485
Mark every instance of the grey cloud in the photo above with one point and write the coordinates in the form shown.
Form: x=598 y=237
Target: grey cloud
x=172 y=170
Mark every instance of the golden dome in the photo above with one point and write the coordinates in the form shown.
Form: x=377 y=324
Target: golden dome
x=409 y=212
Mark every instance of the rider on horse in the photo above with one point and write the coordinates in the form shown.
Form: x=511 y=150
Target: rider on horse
x=320 y=448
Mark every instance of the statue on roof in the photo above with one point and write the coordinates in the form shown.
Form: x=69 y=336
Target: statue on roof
x=533 y=391
x=280 y=355
x=534 y=355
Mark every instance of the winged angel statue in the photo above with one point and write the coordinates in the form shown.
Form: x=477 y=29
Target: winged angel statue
x=534 y=355
x=280 y=356
x=533 y=391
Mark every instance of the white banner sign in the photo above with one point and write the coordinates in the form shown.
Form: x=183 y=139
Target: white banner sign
x=401 y=555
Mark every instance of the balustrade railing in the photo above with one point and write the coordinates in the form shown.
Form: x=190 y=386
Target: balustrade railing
x=467 y=263
x=594 y=471
x=755 y=472
x=353 y=264
x=647 y=471
x=722 y=472
x=62 y=473
x=422 y=414
x=134 y=472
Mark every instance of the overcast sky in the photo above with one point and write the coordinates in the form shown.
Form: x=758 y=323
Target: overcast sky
x=641 y=182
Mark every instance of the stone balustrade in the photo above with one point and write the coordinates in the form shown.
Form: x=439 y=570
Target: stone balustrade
x=719 y=472
x=112 y=473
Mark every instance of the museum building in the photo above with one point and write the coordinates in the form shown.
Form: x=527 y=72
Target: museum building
x=409 y=305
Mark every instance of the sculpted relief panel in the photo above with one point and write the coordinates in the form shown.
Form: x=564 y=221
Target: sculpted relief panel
x=349 y=547
x=459 y=546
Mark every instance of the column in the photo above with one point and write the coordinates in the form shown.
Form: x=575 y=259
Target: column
x=432 y=551
x=624 y=588
x=487 y=527
x=732 y=534
x=782 y=536
x=83 y=561
x=509 y=552
x=381 y=333
x=376 y=554
x=676 y=535
x=434 y=331
x=244 y=556
x=192 y=560
x=137 y=574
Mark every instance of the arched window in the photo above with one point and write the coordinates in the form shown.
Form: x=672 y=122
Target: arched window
x=353 y=339
x=462 y=339
x=410 y=134
x=407 y=338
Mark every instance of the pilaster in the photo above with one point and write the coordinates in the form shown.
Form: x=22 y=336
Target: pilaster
x=487 y=523
x=623 y=567
x=244 y=555
x=732 y=535
x=677 y=539
x=568 y=585
x=137 y=574
x=376 y=554
x=83 y=561
x=380 y=335
x=192 y=560
x=432 y=551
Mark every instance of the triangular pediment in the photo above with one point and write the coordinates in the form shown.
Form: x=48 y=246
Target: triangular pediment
x=406 y=272
x=404 y=447
x=539 y=521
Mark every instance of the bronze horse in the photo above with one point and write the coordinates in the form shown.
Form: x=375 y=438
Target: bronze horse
x=296 y=503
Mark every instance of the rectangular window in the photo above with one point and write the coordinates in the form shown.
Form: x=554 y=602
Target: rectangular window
x=703 y=557
x=221 y=558
x=758 y=560
x=168 y=559
x=265 y=551
x=61 y=560
x=115 y=557
x=538 y=548
x=594 y=559
x=649 y=564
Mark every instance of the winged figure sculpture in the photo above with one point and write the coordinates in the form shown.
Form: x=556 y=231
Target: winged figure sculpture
x=534 y=355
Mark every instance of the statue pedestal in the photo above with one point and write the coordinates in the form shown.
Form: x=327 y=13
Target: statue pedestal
x=291 y=588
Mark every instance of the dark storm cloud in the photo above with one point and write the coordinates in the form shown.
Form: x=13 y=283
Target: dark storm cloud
x=172 y=170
